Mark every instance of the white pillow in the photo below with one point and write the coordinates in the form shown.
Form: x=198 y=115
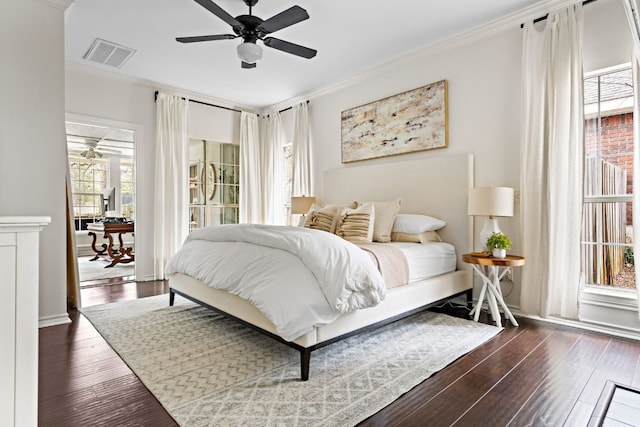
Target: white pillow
x=416 y=224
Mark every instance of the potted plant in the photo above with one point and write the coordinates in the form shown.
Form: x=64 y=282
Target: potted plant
x=498 y=243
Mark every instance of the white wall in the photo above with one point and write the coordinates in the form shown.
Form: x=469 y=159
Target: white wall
x=32 y=135
x=213 y=124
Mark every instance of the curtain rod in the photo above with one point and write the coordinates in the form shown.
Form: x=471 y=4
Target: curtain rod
x=155 y=98
x=287 y=109
x=542 y=18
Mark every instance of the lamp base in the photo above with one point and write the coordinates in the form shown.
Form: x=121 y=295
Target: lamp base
x=490 y=227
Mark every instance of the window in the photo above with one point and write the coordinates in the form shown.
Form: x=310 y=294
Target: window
x=214 y=183
x=88 y=181
x=607 y=252
x=126 y=187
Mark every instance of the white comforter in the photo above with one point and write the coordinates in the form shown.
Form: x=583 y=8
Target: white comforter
x=299 y=278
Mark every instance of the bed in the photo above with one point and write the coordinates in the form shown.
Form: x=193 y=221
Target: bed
x=433 y=186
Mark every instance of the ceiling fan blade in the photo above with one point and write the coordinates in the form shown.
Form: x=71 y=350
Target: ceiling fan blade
x=291 y=16
x=289 y=47
x=220 y=13
x=205 y=38
x=247 y=65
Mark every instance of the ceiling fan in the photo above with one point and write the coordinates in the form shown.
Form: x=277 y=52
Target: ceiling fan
x=91 y=152
x=95 y=152
x=251 y=29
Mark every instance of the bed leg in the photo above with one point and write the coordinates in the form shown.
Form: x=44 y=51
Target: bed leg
x=470 y=298
x=172 y=297
x=305 y=359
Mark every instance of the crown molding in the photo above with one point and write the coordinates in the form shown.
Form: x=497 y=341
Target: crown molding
x=56 y=4
x=506 y=23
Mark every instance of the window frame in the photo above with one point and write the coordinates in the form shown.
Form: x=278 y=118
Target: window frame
x=602 y=293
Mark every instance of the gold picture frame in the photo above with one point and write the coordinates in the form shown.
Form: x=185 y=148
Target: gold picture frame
x=411 y=121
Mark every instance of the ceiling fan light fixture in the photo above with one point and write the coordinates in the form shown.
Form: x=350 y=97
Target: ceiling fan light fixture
x=249 y=52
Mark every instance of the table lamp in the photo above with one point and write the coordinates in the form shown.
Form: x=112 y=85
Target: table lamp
x=300 y=205
x=490 y=202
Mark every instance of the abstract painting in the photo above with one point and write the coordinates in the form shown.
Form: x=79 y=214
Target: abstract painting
x=411 y=121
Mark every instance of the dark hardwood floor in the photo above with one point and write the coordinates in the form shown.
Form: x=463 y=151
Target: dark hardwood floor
x=537 y=374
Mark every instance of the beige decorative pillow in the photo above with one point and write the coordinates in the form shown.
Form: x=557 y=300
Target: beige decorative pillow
x=356 y=225
x=324 y=218
x=386 y=213
x=424 y=237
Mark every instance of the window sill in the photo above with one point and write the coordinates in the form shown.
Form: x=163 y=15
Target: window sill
x=619 y=298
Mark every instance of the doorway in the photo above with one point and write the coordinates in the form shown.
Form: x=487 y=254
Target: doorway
x=102 y=176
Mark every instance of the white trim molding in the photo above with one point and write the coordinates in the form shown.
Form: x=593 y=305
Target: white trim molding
x=60 y=319
x=56 y=4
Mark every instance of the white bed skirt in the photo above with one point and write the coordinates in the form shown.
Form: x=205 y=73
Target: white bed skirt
x=399 y=300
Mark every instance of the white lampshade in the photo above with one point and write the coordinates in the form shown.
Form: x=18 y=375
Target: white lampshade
x=249 y=52
x=491 y=201
x=301 y=205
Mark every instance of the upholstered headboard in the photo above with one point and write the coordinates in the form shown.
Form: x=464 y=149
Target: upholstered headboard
x=435 y=186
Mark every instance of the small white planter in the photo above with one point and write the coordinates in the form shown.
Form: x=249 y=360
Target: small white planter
x=499 y=253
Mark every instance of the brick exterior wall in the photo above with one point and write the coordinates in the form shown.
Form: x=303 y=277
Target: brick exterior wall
x=617 y=145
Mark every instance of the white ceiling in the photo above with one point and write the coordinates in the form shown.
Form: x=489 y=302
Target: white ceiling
x=351 y=36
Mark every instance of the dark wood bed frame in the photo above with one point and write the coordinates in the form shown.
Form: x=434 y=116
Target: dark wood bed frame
x=305 y=352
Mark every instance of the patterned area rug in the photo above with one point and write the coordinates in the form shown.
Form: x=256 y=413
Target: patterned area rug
x=95 y=270
x=207 y=370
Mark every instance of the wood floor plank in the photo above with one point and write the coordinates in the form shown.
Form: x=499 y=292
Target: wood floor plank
x=118 y=402
x=617 y=363
x=79 y=329
x=78 y=379
x=448 y=404
x=60 y=357
x=514 y=390
x=440 y=380
x=553 y=401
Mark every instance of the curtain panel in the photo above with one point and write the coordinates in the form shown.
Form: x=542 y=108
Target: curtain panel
x=251 y=208
x=552 y=164
x=171 y=178
x=272 y=166
x=301 y=151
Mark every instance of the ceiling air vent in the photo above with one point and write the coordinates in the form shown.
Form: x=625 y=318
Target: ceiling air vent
x=108 y=53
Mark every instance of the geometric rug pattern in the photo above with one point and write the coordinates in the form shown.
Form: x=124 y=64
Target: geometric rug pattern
x=207 y=370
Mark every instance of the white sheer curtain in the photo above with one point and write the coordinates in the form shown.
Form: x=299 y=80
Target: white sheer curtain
x=634 y=25
x=301 y=151
x=171 y=179
x=551 y=164
x=273 y=170
x=250 y=170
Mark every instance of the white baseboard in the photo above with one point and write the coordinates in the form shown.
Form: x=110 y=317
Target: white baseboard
x=587 y=325
x=60 y=319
